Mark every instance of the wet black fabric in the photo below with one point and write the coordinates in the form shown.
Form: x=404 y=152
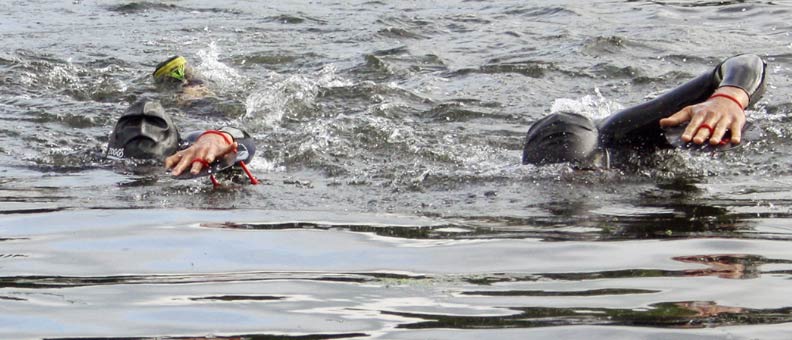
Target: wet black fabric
x=563 y=137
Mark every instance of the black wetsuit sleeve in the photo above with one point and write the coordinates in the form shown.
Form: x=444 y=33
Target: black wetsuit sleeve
x=243 y=139
x=639 y=126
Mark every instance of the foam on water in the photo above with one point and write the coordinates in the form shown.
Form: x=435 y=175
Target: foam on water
x=224 y=78
x=394 y=203
x=291 y=96
x=594 y=106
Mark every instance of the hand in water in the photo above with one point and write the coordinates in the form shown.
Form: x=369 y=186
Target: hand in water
x=205 y=150
x=720 y=114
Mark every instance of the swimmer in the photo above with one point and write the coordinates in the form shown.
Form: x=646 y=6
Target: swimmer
x=176 y=73
x=146 y=131
x=707 y=112
x=192 y=94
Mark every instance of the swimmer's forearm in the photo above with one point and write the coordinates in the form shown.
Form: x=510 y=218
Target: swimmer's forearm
x=744 y=73
x=738 y=82
x=734 y=94
x=241 y=137
x=208 y=147
x=237 y=135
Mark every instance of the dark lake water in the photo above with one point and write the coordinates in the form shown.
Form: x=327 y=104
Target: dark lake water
x=393 y=203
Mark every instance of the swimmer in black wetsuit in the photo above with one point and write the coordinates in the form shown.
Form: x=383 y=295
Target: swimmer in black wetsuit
x=712 y=104
x=146 y=131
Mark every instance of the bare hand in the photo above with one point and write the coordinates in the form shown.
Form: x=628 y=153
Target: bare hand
x=719 y=113
x=207 y=148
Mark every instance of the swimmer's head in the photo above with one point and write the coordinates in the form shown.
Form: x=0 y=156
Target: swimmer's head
x=564 y=137
x=173 y=70
x=145 y=131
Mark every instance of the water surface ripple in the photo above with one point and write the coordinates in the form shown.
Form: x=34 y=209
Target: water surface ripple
x=394 y=205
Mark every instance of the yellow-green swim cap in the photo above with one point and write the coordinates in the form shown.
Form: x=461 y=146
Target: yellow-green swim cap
x=173 y=67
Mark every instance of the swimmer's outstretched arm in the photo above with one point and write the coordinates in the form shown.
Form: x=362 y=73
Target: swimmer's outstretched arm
x=741 y=84
x=209 y=147
x=740 y=77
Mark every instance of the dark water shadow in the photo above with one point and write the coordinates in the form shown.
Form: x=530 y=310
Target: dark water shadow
x=725 y=266
x=229 y=298
x=49 y=282
x=681 y=314
x=686 y=221
x=234 y=337
x=136 y=7
x=673 y=209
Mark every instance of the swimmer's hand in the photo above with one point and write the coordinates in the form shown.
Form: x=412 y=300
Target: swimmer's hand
x=719 y=113
x=205 y=150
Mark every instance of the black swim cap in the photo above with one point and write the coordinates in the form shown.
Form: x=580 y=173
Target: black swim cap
x=145 y=131
x=560 y=137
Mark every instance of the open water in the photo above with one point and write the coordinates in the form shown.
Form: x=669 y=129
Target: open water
x=394 y=205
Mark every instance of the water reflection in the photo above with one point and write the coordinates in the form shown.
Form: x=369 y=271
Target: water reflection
x=737 y=266
x=685 y=221
x=236 y=337
x=407 y=108
x=682 y=314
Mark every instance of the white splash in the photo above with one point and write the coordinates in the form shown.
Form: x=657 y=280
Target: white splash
x=284 y=95
x=593 y=106
x=222 y=76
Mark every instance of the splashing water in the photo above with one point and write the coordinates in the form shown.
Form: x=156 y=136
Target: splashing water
x=223 y=77
x=394 y=203
x=593 y=106
x=291 y=96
